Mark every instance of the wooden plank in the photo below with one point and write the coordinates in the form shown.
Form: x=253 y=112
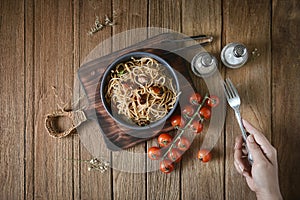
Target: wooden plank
x=101 y=183
x=29 y=96
x=163 y=14
x=76 y=95
x=204 y=180
x=128 y=176
x=251 y=27
x=44 y=156
x=285 y=93
x=53 y=61
x=12 y=100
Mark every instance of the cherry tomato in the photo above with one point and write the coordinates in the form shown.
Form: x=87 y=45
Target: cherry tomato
x=195 y=98
x=166 y=166
x=154 y=153
x=176 y=120
x=205 y=112
x=213 y=101
x=204 y=155
x=188 y=110
x=164 y=139
x=197 y=126
x=174 y=155
x=183 y=144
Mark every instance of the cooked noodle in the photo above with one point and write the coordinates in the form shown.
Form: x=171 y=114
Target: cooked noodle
x=141 y=90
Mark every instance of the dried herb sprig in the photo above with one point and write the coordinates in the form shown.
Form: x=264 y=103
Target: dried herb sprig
x=98 y=164
x=99 y=26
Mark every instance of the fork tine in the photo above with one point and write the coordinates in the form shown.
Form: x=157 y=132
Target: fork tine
x=234 y=90
x=226 y=90
x=229 y=88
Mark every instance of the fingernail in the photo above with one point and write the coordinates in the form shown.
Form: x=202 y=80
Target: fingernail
x=250 y=138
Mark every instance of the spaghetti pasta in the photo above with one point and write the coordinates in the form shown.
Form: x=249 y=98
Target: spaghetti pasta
x=141 y=90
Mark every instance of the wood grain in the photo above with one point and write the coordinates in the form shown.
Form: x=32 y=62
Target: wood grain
x=252 y=28
x=76 y=94
x=164 y=14
x=12 y=120
x=92 y=185
x=43 y=44
x=29 y=96
x=194 y=174
x=285 y=93
x=132 y=15
x=52 y=53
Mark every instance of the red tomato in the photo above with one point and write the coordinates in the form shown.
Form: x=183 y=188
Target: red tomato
x=164 y=139
x=205 y=112
x=154 y=153
x=183 y=144
x=166 y=166
x=195 y=98
x=213 y=101
x=197 y=126
x=176 y=120
x=188 y=110
x=174 y=155
x=204 y=155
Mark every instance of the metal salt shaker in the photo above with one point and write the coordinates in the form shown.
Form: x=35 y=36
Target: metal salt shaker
x=204 y=64
x=234 y=55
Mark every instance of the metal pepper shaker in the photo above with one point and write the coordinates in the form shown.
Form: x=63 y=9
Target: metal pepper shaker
x=204 y=64
x=234 y=55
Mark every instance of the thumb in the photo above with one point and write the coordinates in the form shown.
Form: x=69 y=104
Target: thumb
x=255 y=150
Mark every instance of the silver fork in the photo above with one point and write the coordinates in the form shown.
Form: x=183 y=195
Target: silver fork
x=234 y=101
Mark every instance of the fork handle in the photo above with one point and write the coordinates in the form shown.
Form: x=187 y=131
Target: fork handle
x=244 y=133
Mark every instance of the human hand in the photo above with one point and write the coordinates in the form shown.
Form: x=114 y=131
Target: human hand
x=262 y=176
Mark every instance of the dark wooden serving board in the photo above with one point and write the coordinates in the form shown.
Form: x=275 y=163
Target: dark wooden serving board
x=90 y=75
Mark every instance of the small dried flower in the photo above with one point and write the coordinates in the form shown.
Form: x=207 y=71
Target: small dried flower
x=96 y=164
x=108 y=22
x=98 y=26
x=255 y=54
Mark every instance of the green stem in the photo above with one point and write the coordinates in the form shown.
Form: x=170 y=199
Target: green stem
x=178 y=136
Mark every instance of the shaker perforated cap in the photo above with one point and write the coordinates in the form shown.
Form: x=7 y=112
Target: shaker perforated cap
x=207 y=60
x=204 y=64
x=239 y=50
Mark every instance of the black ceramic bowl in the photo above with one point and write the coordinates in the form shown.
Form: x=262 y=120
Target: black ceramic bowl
x=124 y=121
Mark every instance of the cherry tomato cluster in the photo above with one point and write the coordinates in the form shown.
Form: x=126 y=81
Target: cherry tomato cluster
x=171 y=148
x=168 y=154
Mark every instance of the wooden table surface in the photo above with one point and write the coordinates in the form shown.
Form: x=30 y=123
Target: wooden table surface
x=43 y=44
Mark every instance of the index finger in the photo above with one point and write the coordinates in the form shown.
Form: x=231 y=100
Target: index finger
x=261 y=140
x=240 y=161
